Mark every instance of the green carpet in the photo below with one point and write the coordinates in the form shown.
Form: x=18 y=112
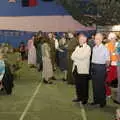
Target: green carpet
x=52 y=102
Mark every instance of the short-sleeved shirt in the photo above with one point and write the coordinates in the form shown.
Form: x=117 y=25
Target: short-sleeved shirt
x=100 y=54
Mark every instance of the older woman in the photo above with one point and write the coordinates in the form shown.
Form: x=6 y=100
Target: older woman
x=31 y=52
x=47 y=64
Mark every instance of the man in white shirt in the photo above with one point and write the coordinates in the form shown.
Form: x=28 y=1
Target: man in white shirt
x=81 y=62
x=100 y=58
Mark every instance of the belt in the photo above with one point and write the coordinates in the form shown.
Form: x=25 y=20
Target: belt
x=98 y=64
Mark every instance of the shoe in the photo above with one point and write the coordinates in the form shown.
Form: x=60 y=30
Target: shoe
x=115 y=101
x=50 y=82
x=102 y=105
x=84 y=102
x=93 y=103
x=76 y=100
x=2 y=89
x=63 y=79
x=47 y=82
x=53 y=78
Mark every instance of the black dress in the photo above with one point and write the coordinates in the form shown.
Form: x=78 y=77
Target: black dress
x=8 y=79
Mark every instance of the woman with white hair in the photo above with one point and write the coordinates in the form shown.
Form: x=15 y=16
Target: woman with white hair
x=31 y=52
x=112 y=69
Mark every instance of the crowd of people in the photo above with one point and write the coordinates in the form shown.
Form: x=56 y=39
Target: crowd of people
x=80 y=59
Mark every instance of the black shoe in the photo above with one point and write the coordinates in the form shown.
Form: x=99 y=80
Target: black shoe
x=53 y=78
x=115 y=101
x=47 y=82
x=93 y=103
x=76 y=100
x=102 y=105
x=84 y=102
x=70 y=83
x=50 y=82
x=2 y=89
x=63 y=79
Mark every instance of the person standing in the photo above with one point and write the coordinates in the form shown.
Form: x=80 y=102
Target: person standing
x=62 y=55
x=54 y=46
x=72 y=43
x=31 y=52
x=22 y=50
x=112 y=69
x=38 y=45
x=47 y=65
x=81 y=62
x=91 y=43
x=117 y=100
x=100 y=58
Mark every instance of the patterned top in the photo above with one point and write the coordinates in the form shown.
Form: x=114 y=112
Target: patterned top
x=2 y=69
x=118 y=53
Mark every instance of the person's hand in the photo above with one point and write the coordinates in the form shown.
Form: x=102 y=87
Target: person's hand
x=66 y=46
x=61 y=50
x=108 y=63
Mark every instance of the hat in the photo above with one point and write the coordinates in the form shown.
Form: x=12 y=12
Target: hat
x=112 y=36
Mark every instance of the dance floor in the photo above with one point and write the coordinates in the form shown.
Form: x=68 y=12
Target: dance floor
x=33 y=100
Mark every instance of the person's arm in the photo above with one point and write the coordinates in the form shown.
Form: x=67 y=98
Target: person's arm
x=56 y=44
x=107 y=57
x=76 y=56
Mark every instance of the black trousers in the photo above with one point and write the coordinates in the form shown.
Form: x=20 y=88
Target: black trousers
x=98 y=80
x=81 y=84
x=23 y=55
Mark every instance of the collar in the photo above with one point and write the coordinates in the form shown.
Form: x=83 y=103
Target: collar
x=97 y=46
x=82 y=46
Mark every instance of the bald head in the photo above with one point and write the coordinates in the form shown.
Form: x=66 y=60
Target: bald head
x=98 y=38
x=82 y=39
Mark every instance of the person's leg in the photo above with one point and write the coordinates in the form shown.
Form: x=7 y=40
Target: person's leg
x=98 y=78
x=85 y=89
x=102 y=90
x=118 y=90
x=64 y=75
x=1 y=85
x=77 y=87
x=94 y=84
x=70 y=78
x=100 y=85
